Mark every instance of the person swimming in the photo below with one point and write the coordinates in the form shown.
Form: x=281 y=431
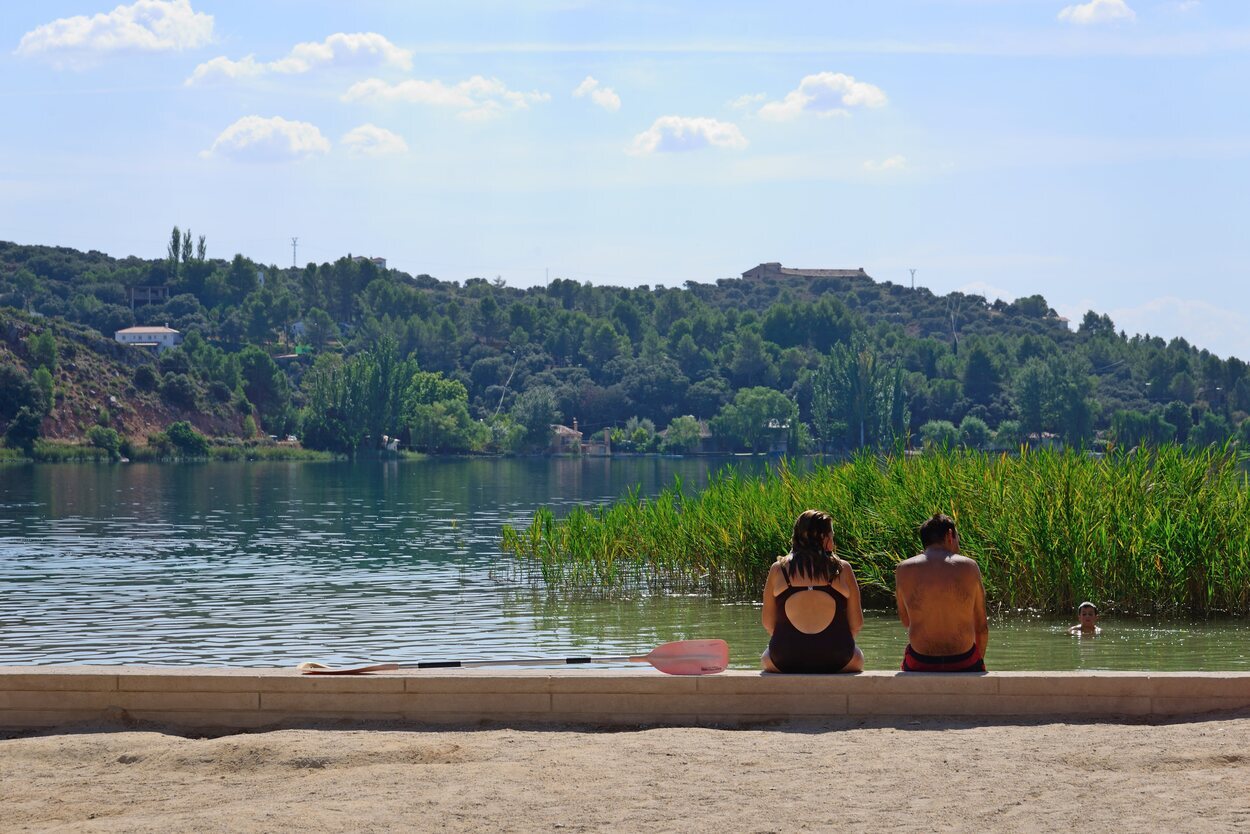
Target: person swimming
x=1087 y=614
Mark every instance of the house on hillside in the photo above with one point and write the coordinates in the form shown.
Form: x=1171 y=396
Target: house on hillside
x=153 y=338
x=775 y=270
x=380 y=263
x=565 y=440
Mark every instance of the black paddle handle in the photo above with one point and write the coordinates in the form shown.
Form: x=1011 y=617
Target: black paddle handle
x=456 y=664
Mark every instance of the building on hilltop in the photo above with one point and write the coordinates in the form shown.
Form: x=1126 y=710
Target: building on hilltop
x=380 y=263
x=157 y=338
x=775 y=270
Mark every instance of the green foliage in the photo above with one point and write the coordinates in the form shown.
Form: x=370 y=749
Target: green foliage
x=536 y=411
x=24 y=428
x=940 y=434
x=682 y=435
x=185 y=441
x=1164 y=533
x=974 y=433
x=18 y=391
x=857 y=400
x=43 y=350
x=179 y=391
x=755 y=418
x=47 y=389
x=145 y=378
x=107 y=439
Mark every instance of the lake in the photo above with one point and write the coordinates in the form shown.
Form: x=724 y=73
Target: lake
x=270 y=564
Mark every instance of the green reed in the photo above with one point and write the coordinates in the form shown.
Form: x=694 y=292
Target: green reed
x=1166 y=532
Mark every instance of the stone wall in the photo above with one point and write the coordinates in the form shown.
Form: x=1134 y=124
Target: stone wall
x=51 y=696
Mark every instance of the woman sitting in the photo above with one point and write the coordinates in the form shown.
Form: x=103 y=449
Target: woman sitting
x=811 y=604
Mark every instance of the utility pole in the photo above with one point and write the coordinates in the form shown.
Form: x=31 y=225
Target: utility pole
x=913 y=279
x=294 y=244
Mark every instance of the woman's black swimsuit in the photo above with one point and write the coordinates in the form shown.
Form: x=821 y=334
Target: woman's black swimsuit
x=828 y=650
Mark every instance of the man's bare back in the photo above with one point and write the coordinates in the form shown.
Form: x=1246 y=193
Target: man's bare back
x=941 y=599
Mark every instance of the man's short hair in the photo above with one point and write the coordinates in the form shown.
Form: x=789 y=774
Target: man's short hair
x=935 y=529
x=1085 y=605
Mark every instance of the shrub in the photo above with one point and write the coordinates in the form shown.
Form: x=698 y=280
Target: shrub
x=107 y=439
x=185 y=440
x=178 y=390
x=145 y=378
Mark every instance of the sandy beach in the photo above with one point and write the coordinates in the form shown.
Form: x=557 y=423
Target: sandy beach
x=912 y=775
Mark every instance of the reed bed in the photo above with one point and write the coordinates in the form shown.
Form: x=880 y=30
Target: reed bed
x=1161 y=533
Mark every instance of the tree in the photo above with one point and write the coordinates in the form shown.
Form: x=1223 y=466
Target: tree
x=185 y=440
x=682 y=435
x=1178 y=414
x=754 y=417
x=857 y=400
x=940 y=434
x=436 y=413
x=107 y=439
x=980 y=377
x=536 y=411
x=27 y=284
x=1009 y=435
x=47 y=390
x=320 y=328
x=1211 y=430
x=18 y=391
x=974 y=433
x=24 y=429
x=1032 y=394
x=43 y=350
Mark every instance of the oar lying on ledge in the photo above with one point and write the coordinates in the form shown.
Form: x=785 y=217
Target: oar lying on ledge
x=684 y=657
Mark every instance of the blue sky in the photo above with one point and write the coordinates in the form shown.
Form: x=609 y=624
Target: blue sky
x=1096 y=152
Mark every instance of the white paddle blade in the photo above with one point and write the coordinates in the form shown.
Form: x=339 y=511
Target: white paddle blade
x=690 y=657
x=311 y=667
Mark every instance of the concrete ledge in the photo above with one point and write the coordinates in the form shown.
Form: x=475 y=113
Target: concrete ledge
x=50 y=696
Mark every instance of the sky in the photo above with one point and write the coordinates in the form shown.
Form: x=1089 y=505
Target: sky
x=1097 y=153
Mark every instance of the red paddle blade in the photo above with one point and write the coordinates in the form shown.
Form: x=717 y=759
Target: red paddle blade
x=690 y=657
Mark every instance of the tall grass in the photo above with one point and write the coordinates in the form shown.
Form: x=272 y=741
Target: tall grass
x=1162 y=533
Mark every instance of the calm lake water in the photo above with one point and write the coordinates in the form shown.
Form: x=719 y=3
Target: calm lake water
x=269 y=564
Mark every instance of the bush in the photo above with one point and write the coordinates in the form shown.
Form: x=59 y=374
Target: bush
x=186 y=441
x=145 y=378
x=107 y=439
x=974 y=433
x=940 y=434
x=178 y=390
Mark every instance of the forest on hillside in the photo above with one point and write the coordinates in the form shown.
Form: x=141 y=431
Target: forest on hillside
x=344 y=353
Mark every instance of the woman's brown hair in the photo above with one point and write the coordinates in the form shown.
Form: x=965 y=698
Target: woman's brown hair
x=808 y=556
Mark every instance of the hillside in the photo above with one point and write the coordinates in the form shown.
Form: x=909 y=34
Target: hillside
x=835 y=360
x=95 y=384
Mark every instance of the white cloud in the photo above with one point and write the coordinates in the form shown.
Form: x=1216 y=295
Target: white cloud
x=605 y=97
x=475 y=98
x=368 y=49
x=894 y=163
x=746 y=101
x=687 y=133
x=145 y=25
x=825 y=94
x=1097 y=11
x=257 y=139
x=371 y=140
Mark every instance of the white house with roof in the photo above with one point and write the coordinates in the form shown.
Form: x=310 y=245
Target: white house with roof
x=158 y=338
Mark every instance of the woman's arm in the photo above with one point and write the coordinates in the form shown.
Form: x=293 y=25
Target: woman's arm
x=769 y=615
x=854 y=611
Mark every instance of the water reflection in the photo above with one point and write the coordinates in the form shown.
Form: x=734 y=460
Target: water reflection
x=269 y=564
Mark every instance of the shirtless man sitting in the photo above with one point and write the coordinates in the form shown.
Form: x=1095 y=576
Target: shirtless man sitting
x=941 y=602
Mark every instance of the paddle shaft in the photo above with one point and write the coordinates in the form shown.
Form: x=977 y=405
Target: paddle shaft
x=474 y=664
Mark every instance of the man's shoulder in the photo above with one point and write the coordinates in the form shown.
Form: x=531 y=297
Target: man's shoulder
x=909 y=563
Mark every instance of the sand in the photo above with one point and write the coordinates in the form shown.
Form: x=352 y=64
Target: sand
x=911 y=775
